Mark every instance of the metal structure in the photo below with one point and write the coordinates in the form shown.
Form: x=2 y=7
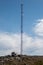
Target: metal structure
x=21 y=26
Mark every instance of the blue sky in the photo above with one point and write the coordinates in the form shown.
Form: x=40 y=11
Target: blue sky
x=33 y=10
x=10 y=16
x=10 y=23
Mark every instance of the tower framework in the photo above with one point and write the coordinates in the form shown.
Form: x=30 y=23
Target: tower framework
x=21 y=27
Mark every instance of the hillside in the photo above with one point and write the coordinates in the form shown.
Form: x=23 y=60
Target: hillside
x=26 y=60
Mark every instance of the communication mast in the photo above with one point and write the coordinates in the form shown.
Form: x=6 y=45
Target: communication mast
x=21 y=26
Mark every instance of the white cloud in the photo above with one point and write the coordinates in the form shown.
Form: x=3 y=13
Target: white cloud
x=11 y=42
x=35 y=47
x=39 y=27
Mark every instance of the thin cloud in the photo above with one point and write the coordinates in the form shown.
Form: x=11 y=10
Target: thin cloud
x=39 y=27
x=11 y=42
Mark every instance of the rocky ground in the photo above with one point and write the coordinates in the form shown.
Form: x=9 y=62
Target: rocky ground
x=26 y=60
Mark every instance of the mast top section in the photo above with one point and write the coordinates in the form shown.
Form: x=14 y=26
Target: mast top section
x=22 y=1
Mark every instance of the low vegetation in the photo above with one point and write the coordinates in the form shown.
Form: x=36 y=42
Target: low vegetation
x=16 y=60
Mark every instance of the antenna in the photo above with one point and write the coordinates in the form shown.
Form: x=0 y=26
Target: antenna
x=21 y=27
